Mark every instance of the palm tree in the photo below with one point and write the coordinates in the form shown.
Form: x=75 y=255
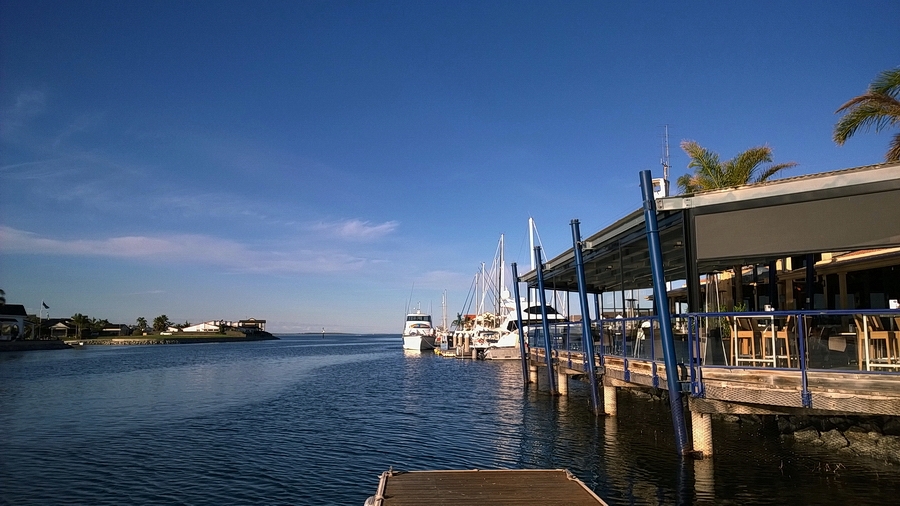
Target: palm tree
x=712 y=174
x=80 y=321
x=141 y=323
x=878 y=107
x=459 y=321
x=161 y=323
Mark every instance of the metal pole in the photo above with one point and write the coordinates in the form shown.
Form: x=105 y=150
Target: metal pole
x=542 y=297
x=515 y=275
x=805 y=394
x=587 y=337
x=662 y=304
x=810 y=282
x=773 y=285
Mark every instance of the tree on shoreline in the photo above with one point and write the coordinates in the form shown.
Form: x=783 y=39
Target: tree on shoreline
x=80 y=322
x=879 y=106
x=141 y=323
x=161 y=323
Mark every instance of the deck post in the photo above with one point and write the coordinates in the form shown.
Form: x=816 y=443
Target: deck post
x=562 y=382
x=805 y=394
x=701 y=430
x=609 y=401
x=661 y=300
x=587 y=336
x=533 y=374
x=542 y=297
x=522 y=351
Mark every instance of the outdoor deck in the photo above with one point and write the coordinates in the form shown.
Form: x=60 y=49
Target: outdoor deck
x=506 y=487
x=818 y=381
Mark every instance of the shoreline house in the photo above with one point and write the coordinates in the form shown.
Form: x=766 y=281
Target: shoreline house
x=12 y=322
x=247 y=326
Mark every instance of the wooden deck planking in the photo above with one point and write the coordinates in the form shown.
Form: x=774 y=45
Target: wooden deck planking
x=488 y=488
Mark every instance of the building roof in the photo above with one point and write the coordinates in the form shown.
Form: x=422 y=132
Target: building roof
x=13 y=310
x=830 y=211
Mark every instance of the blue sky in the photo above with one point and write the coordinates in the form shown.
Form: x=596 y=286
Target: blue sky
x=324 y=164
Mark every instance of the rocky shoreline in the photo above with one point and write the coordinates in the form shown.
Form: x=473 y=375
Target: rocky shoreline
x=151 y=340
x=875 y=437
x=131 y=341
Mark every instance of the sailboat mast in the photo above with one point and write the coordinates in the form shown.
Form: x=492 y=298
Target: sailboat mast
x=483 y=289
x=531 y=241
x=444 y=310
x=532 y=292
x=501 y=287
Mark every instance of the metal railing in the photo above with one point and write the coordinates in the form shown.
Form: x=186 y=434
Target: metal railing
x=859 y=341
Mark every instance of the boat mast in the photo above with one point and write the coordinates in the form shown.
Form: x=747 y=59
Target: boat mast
x=444 y=310
x=532 y=292
x=502 y=287
x=481 y=301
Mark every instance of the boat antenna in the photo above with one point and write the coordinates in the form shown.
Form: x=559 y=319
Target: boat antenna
x=409 y=300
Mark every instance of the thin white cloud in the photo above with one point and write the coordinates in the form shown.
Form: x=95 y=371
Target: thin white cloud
x=185 y=248
x=440 y=279
x=356 y=230
x=81 y=124
x=28 y=104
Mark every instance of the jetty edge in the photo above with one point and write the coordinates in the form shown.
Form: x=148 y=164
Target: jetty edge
x=479 y=487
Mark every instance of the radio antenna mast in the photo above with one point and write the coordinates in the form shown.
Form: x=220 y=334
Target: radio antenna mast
x=665 y=159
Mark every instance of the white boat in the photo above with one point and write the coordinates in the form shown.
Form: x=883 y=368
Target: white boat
x=507 y=345
x=418 y=332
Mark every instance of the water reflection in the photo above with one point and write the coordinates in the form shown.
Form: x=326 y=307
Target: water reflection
x=296 y=422
x=704 y=481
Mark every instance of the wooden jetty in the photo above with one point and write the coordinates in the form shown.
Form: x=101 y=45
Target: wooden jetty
x=476 y=487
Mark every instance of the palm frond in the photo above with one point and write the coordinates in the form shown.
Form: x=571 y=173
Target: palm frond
x=887 y=83
x=878 y=108
x=893 y=154
x=875 y=111
x=773 y=170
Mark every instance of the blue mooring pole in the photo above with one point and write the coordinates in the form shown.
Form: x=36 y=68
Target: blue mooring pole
x=542 y=297
x=515 y=274
x=662 y=308
x=587 y=337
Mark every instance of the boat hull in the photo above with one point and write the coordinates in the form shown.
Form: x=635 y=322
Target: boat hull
x=503 y=353
x=418 y=343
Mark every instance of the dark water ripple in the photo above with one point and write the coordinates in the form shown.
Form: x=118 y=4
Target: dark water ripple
x=307 y=420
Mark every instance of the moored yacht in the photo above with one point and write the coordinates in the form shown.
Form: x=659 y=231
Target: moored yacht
x=418 y=332
x=506 y=347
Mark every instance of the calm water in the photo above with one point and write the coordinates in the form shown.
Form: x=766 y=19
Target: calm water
x=306 y=420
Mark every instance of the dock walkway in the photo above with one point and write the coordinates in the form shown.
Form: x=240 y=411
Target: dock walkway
x=503 y=487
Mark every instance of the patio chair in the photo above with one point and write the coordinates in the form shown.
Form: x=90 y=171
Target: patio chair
x=745 y=339
x=882 y=346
